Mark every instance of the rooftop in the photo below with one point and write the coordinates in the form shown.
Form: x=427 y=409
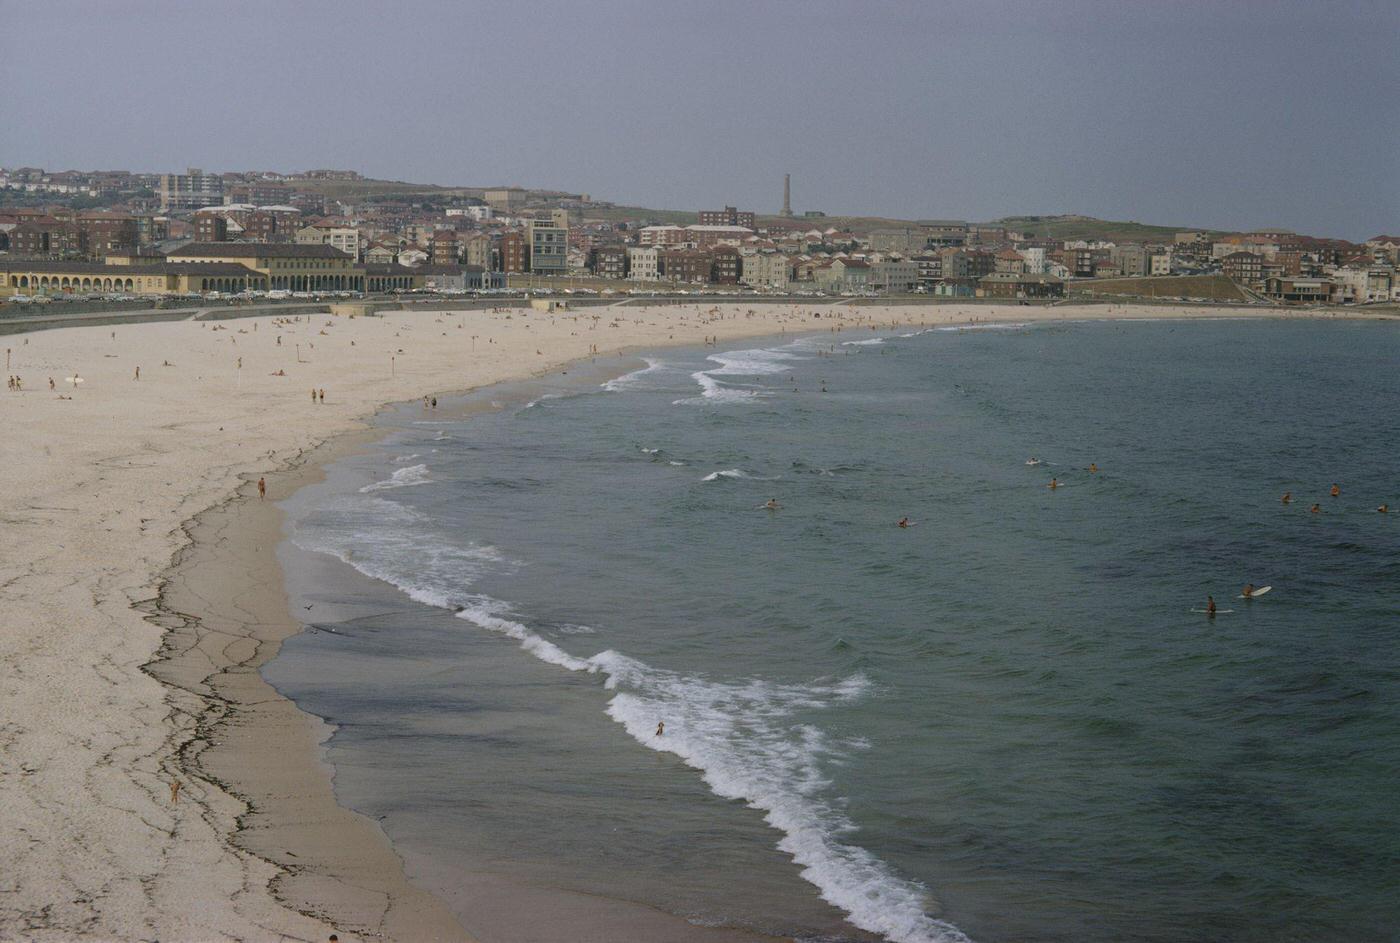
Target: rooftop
x=258 y=250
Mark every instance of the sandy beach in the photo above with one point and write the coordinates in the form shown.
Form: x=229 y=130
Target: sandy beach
x=141 y=595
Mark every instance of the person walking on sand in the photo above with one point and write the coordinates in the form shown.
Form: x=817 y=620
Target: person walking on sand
x=262 y=488
x=138 y=374
x=313 y=394
x=323 y=395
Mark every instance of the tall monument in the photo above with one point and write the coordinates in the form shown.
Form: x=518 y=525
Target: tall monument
x=787 y=195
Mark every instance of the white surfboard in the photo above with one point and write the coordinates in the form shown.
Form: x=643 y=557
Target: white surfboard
x=1218 y=612
x=1258 y=592
x=73 y=380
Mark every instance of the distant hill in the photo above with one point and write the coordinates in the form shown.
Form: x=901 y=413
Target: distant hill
x=1089 y=228
x=1049 y=227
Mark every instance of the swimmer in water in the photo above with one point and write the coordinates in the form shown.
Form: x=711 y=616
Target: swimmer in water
x=772 y=504
x=1384 y=509
x=1032 y=461
x=1093 y=469
x=1315 y=509
x=1335 y=492
x=1248 y=590
x=1287 y=497
x=1210 y=605
x=660 y=727
x=904 y=522
x=1054 y=483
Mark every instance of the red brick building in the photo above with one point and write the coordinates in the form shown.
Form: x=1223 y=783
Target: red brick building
x=685 y=265
x=103 y=234
x=45 y=236
x=512 y=253
x=608 y=261
x=1243 y=266
x=210 y=227
x=729 y=216
x=446 y=247
x=725 y=265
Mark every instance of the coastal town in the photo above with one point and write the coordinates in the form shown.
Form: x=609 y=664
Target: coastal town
x=120 y=236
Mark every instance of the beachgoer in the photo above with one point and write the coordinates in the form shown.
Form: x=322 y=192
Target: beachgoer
x=434 y=402
x=138 y=373
x=904 y=522
x=313 y=394
x=1210 y=605
x=262 y=487
x=323 y=395
x=50 y=382
x=1335 y=491
x=660 y=727
x=175 y=791
x=1315 y=509
x=1384 y=509
x=772 y=504
x=1054 y=483
x=1288 y=497
x=1248 y=590
x=1093 y=469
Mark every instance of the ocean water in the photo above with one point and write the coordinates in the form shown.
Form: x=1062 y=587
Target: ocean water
x=1007 y=722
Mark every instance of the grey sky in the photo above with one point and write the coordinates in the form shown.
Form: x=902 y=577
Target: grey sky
x=1230 y=115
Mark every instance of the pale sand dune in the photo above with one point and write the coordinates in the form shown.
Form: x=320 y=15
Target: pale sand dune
x=96 y=493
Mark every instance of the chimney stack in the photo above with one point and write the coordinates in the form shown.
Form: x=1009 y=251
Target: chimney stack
x=787 y=194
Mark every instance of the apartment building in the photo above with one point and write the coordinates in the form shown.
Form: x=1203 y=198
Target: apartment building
x=729 y=216
x=765 y=269
x=643 y=263
x=608 y=261
x=191 y=190
x=329 y=233
x=548 y=246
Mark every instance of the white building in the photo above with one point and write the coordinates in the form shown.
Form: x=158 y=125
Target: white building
x=478 y=213
x=894 y=275
x=344 y=238
x=1162 y=263
x=1036 y=263
x=765 y=269
x=643 y=263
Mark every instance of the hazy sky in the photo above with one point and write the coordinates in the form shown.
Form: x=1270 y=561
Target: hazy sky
x=1232 y=115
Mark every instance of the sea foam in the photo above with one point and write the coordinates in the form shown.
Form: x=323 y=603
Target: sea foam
x=402 y=478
